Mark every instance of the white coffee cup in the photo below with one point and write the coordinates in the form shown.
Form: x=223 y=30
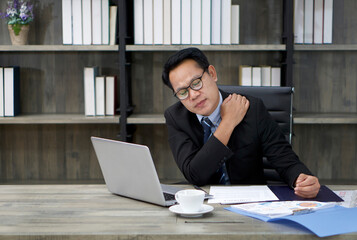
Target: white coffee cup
x=190 y=200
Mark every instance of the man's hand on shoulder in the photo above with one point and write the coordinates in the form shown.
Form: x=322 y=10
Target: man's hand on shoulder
x=234 y=108
x=307 y=186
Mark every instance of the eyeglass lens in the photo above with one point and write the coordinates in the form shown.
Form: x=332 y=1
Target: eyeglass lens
x=196 y=85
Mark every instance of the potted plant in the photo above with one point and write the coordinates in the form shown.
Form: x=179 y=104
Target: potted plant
x=19 y=13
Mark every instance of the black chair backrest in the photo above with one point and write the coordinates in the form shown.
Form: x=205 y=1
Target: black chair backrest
x=279 y=102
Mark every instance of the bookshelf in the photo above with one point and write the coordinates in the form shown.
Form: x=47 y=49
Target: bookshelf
x=326 y=100
x=49 y=141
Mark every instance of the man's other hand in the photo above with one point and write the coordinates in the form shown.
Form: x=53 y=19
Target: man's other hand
x=307 y=186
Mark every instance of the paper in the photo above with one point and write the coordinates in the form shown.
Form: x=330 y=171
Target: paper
x=349 y=197
x=233 y=194
x=325 y=222
x=282 y=208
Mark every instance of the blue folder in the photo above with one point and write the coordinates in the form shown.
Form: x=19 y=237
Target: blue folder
x=323 y=223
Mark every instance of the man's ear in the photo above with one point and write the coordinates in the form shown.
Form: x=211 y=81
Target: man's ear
x=212 y=72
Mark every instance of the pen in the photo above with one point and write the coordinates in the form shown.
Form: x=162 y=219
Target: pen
x=207 y=195
x=213 y=222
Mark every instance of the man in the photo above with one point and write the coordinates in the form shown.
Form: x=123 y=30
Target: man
x=226 y=148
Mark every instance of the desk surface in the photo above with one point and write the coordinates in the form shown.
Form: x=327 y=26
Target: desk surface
x=91 y=212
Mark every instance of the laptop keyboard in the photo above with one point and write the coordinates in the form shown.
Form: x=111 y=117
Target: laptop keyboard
x=169 y=196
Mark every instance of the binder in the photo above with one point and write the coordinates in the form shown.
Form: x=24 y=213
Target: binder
x=97 y=22
x=275 y=77
x=266 y=76
x=113 y=24
x=90 y=74
x=328 y=20
x=186 y=21
x=11 y=91
x=110 y=95
x=100 y=96
x=318 y=21
x=67 y=37
x=299 y=21
x=206 y=22
x=176 y=21
x=235 y=24
x=1 y=92
x=105 y=22
x=226 y=25
x=167 y=22
x=77 y=22
x=87 y=21
x=245 y=75
x=216 y=22
x=138 y=22
x=148 y=22
x=308 y=21
x=256 y=76
x=158 y=22
x=196 y=22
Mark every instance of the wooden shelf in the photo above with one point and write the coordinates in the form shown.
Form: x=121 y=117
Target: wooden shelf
x=59 y=119
x=325 y=118
x=64 y=48
x=57 y=48
x=81 y=119
x=299 y=118
x=146 y=119
x=326 y=47
x=239 y=47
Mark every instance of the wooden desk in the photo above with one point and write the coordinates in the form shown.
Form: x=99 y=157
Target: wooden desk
x=91 y=212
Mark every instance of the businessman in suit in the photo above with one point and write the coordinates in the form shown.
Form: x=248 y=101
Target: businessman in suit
x=220 y=138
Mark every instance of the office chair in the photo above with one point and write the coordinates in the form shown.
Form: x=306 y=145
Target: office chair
x=279 y=102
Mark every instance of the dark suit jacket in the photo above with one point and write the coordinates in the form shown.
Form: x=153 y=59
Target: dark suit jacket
x=256 y=136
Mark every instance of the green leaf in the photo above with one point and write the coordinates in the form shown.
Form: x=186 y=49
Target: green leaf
x=16 y=28
x=12 y=21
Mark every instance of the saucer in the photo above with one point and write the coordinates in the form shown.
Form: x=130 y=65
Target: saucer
x=177 y=209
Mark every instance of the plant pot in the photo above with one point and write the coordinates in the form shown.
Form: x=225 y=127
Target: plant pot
x=21 y=37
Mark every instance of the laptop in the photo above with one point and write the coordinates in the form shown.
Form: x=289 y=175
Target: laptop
x=129 y=171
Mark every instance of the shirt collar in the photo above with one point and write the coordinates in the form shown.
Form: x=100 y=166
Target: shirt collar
x=215 y=117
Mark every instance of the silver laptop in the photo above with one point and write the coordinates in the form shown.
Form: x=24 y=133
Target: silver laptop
x=129 y=171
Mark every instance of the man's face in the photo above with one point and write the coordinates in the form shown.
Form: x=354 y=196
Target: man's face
x=203 y=101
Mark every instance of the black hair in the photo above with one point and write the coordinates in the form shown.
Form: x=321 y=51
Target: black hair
x=177 y=58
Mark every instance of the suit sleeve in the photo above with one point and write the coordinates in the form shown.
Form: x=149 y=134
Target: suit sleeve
x=197 y=162
x=277 y=149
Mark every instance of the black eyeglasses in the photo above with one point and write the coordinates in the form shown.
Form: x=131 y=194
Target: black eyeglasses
x=196 y=84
